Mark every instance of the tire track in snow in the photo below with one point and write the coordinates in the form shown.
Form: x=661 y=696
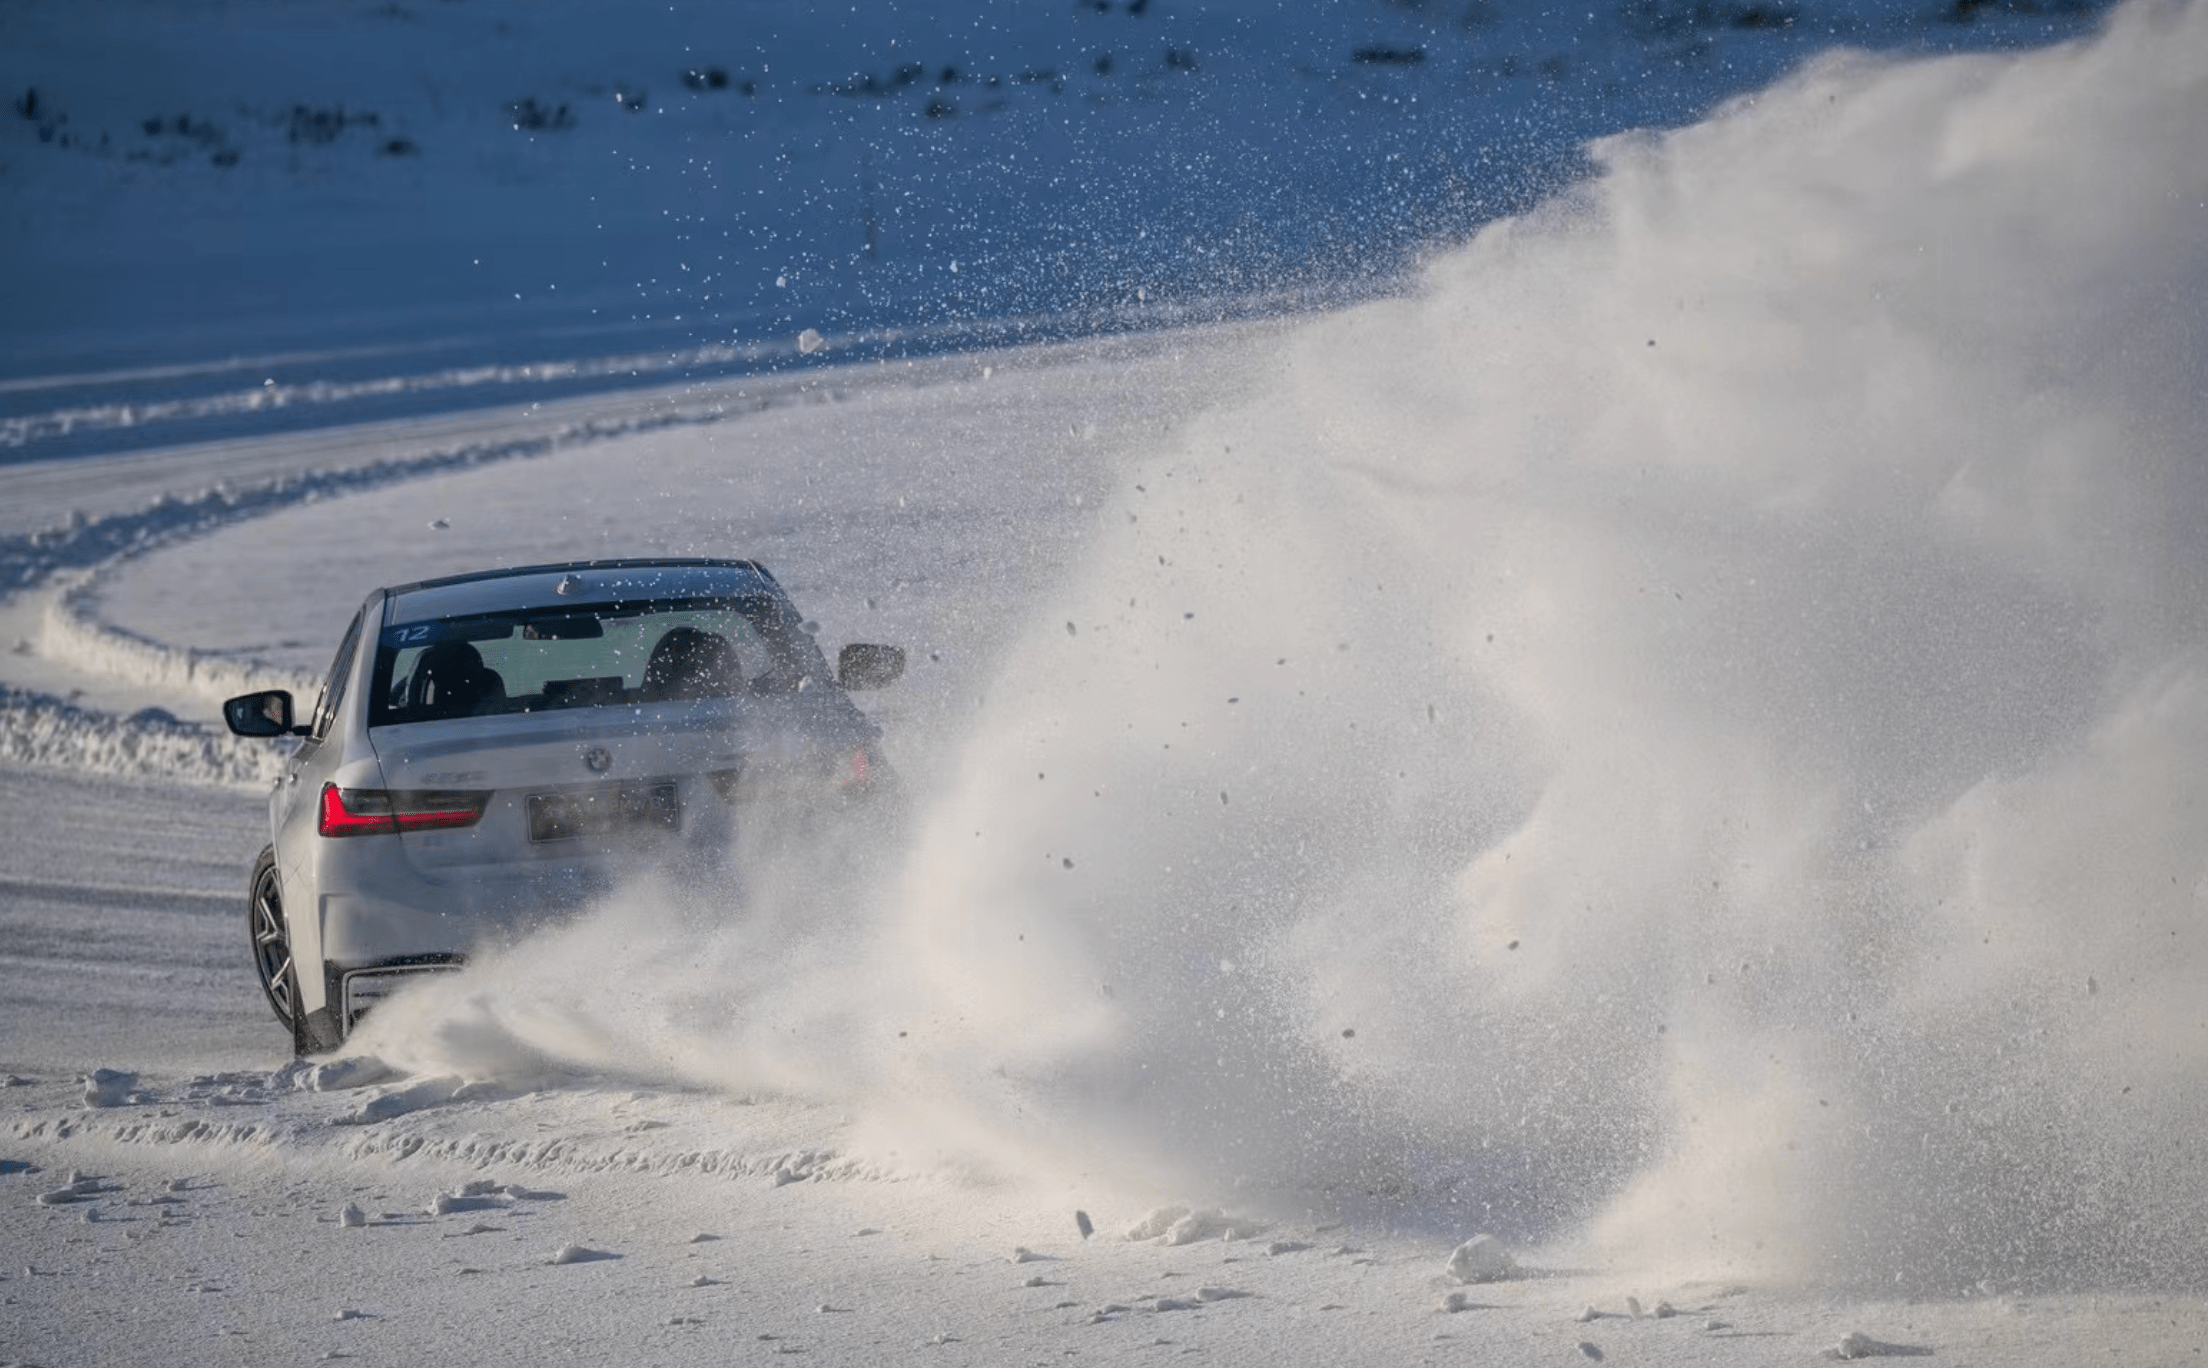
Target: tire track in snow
x=93 y=895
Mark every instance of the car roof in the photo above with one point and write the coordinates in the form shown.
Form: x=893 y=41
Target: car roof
x=585 y=583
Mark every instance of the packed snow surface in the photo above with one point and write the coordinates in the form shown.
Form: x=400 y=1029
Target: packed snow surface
x=1636 y=799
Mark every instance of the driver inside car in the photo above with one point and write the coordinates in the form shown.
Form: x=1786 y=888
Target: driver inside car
x=689 y=662
x=451 y=680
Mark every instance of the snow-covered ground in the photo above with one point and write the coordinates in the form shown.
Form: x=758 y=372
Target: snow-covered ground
x=231 y=216
x=1671 y=736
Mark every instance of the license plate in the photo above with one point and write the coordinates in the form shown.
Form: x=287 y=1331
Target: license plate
x=610 y=809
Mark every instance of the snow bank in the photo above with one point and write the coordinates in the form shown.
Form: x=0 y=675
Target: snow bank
x=36 y=729
x=71 y=631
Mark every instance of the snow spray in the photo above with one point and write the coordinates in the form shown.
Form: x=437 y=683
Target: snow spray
x=1684 y=738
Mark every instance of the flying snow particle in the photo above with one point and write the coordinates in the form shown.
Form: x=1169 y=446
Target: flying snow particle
x=810 y=341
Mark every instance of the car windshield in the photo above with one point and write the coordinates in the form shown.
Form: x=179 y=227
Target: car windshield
x=585 y=656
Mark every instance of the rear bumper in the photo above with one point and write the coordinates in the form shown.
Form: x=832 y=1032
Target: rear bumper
x=447 y=919
x=353 y=991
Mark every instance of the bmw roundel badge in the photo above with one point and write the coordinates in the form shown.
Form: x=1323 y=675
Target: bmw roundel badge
x=599 y=759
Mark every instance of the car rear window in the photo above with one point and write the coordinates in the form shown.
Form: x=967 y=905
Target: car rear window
x=590 y=655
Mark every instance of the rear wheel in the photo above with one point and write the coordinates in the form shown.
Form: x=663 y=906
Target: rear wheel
x=272 y=939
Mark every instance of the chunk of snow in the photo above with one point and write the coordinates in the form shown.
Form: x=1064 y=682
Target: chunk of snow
x=427 y=1092
x=340 y=1075
x=1857 y=1345
x=575 y=1253
x=1199 y=1225
x=1482 y=1259
x=1158 y=1222
x=108 y=1087
x=351 y=1216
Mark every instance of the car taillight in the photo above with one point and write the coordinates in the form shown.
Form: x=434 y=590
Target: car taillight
x=383 y=812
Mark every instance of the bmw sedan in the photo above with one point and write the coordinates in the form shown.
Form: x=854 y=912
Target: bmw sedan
x=492 y=749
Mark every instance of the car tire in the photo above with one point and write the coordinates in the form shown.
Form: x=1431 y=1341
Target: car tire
x=312 y=1032
x=271 y=938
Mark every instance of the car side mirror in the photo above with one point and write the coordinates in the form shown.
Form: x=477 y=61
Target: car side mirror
x=267 y=713
x=860 y=666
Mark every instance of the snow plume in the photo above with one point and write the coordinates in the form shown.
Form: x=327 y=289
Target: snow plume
x=1686 y=733
x=1683 y=739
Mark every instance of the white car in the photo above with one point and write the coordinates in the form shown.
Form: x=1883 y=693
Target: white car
x=496 y=748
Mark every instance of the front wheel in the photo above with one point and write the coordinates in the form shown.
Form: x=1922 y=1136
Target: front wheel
x=272 y=939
